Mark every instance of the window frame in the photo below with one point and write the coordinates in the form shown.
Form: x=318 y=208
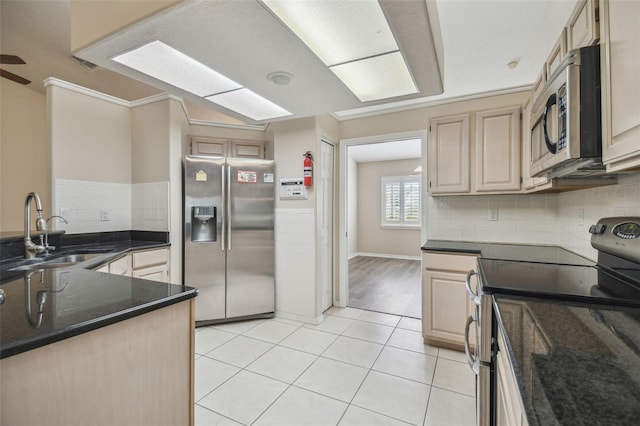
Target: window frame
x=402 y=223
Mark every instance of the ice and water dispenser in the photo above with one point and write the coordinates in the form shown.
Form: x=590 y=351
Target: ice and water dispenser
x=203 y=224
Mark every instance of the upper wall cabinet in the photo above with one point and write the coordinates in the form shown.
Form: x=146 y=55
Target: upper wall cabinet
x=498 y=150
x=557 y=54
x=583 y=29
x=491 y=138
x=620 y=62
x=448 y=155
x=204 y=145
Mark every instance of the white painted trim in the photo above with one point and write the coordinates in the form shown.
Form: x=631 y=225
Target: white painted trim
x=255 y=127
x=386 y=256
x=343 y=266
x=51 y=81
x=412 y=104
x=293 y=317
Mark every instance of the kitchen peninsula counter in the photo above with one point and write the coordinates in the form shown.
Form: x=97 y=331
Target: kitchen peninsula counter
x=575 y=363
x=79 y=346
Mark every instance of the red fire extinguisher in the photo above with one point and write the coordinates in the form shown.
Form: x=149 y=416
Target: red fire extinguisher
x=308 y=169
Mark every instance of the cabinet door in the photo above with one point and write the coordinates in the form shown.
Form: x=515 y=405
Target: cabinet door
x=538 y=84
x=583 y=29
x=445 y=307
x=448 y=160
x=558 y=53
x=201 y=145
x=620 y=62
x=498 y=150
x=509 y=407
x=247 y=149
x=121 y=266
x=153 y=273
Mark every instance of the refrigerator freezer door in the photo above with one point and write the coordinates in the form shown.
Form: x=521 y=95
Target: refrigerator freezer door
x=204 y=257
x=250 y=245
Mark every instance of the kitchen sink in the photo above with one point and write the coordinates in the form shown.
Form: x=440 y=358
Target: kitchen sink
x=58 y=261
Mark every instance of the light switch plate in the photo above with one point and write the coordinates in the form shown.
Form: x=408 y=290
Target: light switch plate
x=493 y=215
x=64 y=213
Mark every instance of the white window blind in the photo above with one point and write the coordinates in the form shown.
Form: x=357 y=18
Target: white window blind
x=401 y=201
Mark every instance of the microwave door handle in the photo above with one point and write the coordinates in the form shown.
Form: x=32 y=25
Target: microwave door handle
x=552 y=100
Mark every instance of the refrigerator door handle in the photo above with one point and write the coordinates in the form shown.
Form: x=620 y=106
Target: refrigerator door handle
x=223 y=238
x=228 y=206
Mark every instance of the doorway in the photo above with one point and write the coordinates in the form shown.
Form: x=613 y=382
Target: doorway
x=385 y=278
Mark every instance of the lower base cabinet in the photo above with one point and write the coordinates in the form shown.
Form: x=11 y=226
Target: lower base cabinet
x=445 y=303
x=509 y=407
x=135 y=372
x=149 y=264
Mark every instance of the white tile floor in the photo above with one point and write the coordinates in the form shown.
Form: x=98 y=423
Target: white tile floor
x=356 y=368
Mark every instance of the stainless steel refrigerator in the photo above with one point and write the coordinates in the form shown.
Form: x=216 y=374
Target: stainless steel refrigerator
x=228 y=239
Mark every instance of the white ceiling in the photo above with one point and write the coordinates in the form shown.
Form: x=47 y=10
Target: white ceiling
x=386 y=151
x=479 y=38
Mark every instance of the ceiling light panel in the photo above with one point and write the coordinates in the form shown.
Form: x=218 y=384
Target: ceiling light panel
x=337 y=31
x=167 y=64
x=380 y=77
x=250 y=104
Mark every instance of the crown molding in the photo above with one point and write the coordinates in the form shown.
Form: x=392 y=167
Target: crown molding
x=52 y=81
x=420 y=103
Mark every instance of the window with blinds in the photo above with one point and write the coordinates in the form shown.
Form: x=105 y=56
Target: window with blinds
x=401 y=201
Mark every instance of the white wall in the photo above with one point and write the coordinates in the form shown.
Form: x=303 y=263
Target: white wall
x=372 y=238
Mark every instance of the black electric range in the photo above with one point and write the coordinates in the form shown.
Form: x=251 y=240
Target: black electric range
x=614 y=280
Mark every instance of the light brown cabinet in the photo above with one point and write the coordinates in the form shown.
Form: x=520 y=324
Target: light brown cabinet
x=498 y=150
x=509 y=406
x=445 y=303
x=148 y=264
x=620 y=64
x=449 y=155
x=475 y=153
x=218 y=147
x=583 y=29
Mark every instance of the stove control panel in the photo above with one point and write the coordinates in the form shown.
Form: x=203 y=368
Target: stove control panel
x=617 y=235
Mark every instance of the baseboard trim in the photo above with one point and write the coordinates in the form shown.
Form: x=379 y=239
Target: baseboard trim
x=388 y=256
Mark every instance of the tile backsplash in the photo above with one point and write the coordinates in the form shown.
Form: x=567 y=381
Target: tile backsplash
x=106 y=206
x=561 y=219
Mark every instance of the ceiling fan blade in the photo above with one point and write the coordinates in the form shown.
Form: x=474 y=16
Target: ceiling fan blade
x=11 y=59
x=13 y=77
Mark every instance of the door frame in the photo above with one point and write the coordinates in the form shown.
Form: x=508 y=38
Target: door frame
x=341 y=287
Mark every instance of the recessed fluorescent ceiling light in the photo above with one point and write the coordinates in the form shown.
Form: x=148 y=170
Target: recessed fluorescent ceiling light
x=342 y=32
x=249 y=103
x=379 y=77
x=173 y=67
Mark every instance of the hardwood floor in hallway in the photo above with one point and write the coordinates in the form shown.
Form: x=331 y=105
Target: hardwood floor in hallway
x=391 y=286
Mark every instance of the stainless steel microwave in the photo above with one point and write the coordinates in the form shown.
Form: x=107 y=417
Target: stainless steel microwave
x=566 y=130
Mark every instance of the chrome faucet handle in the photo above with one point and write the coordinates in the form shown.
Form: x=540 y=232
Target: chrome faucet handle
x=46 y=245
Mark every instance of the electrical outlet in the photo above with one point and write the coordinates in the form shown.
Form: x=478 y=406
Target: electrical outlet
x=493 y=215
x=581 y=217
x=64 y=213
x=104 y=215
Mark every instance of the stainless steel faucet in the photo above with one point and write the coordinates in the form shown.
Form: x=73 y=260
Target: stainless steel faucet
x=45 y=244
x=31 y=249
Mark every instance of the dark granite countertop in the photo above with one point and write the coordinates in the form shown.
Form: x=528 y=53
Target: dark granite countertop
x=45 y=306
x=575 y=363
x=512 y=252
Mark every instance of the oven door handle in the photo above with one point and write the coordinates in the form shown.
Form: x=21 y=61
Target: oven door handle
x=467 y=283
x=474 y=363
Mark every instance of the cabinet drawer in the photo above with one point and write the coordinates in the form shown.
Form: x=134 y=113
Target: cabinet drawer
x=148 y=258
x=449 y=262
